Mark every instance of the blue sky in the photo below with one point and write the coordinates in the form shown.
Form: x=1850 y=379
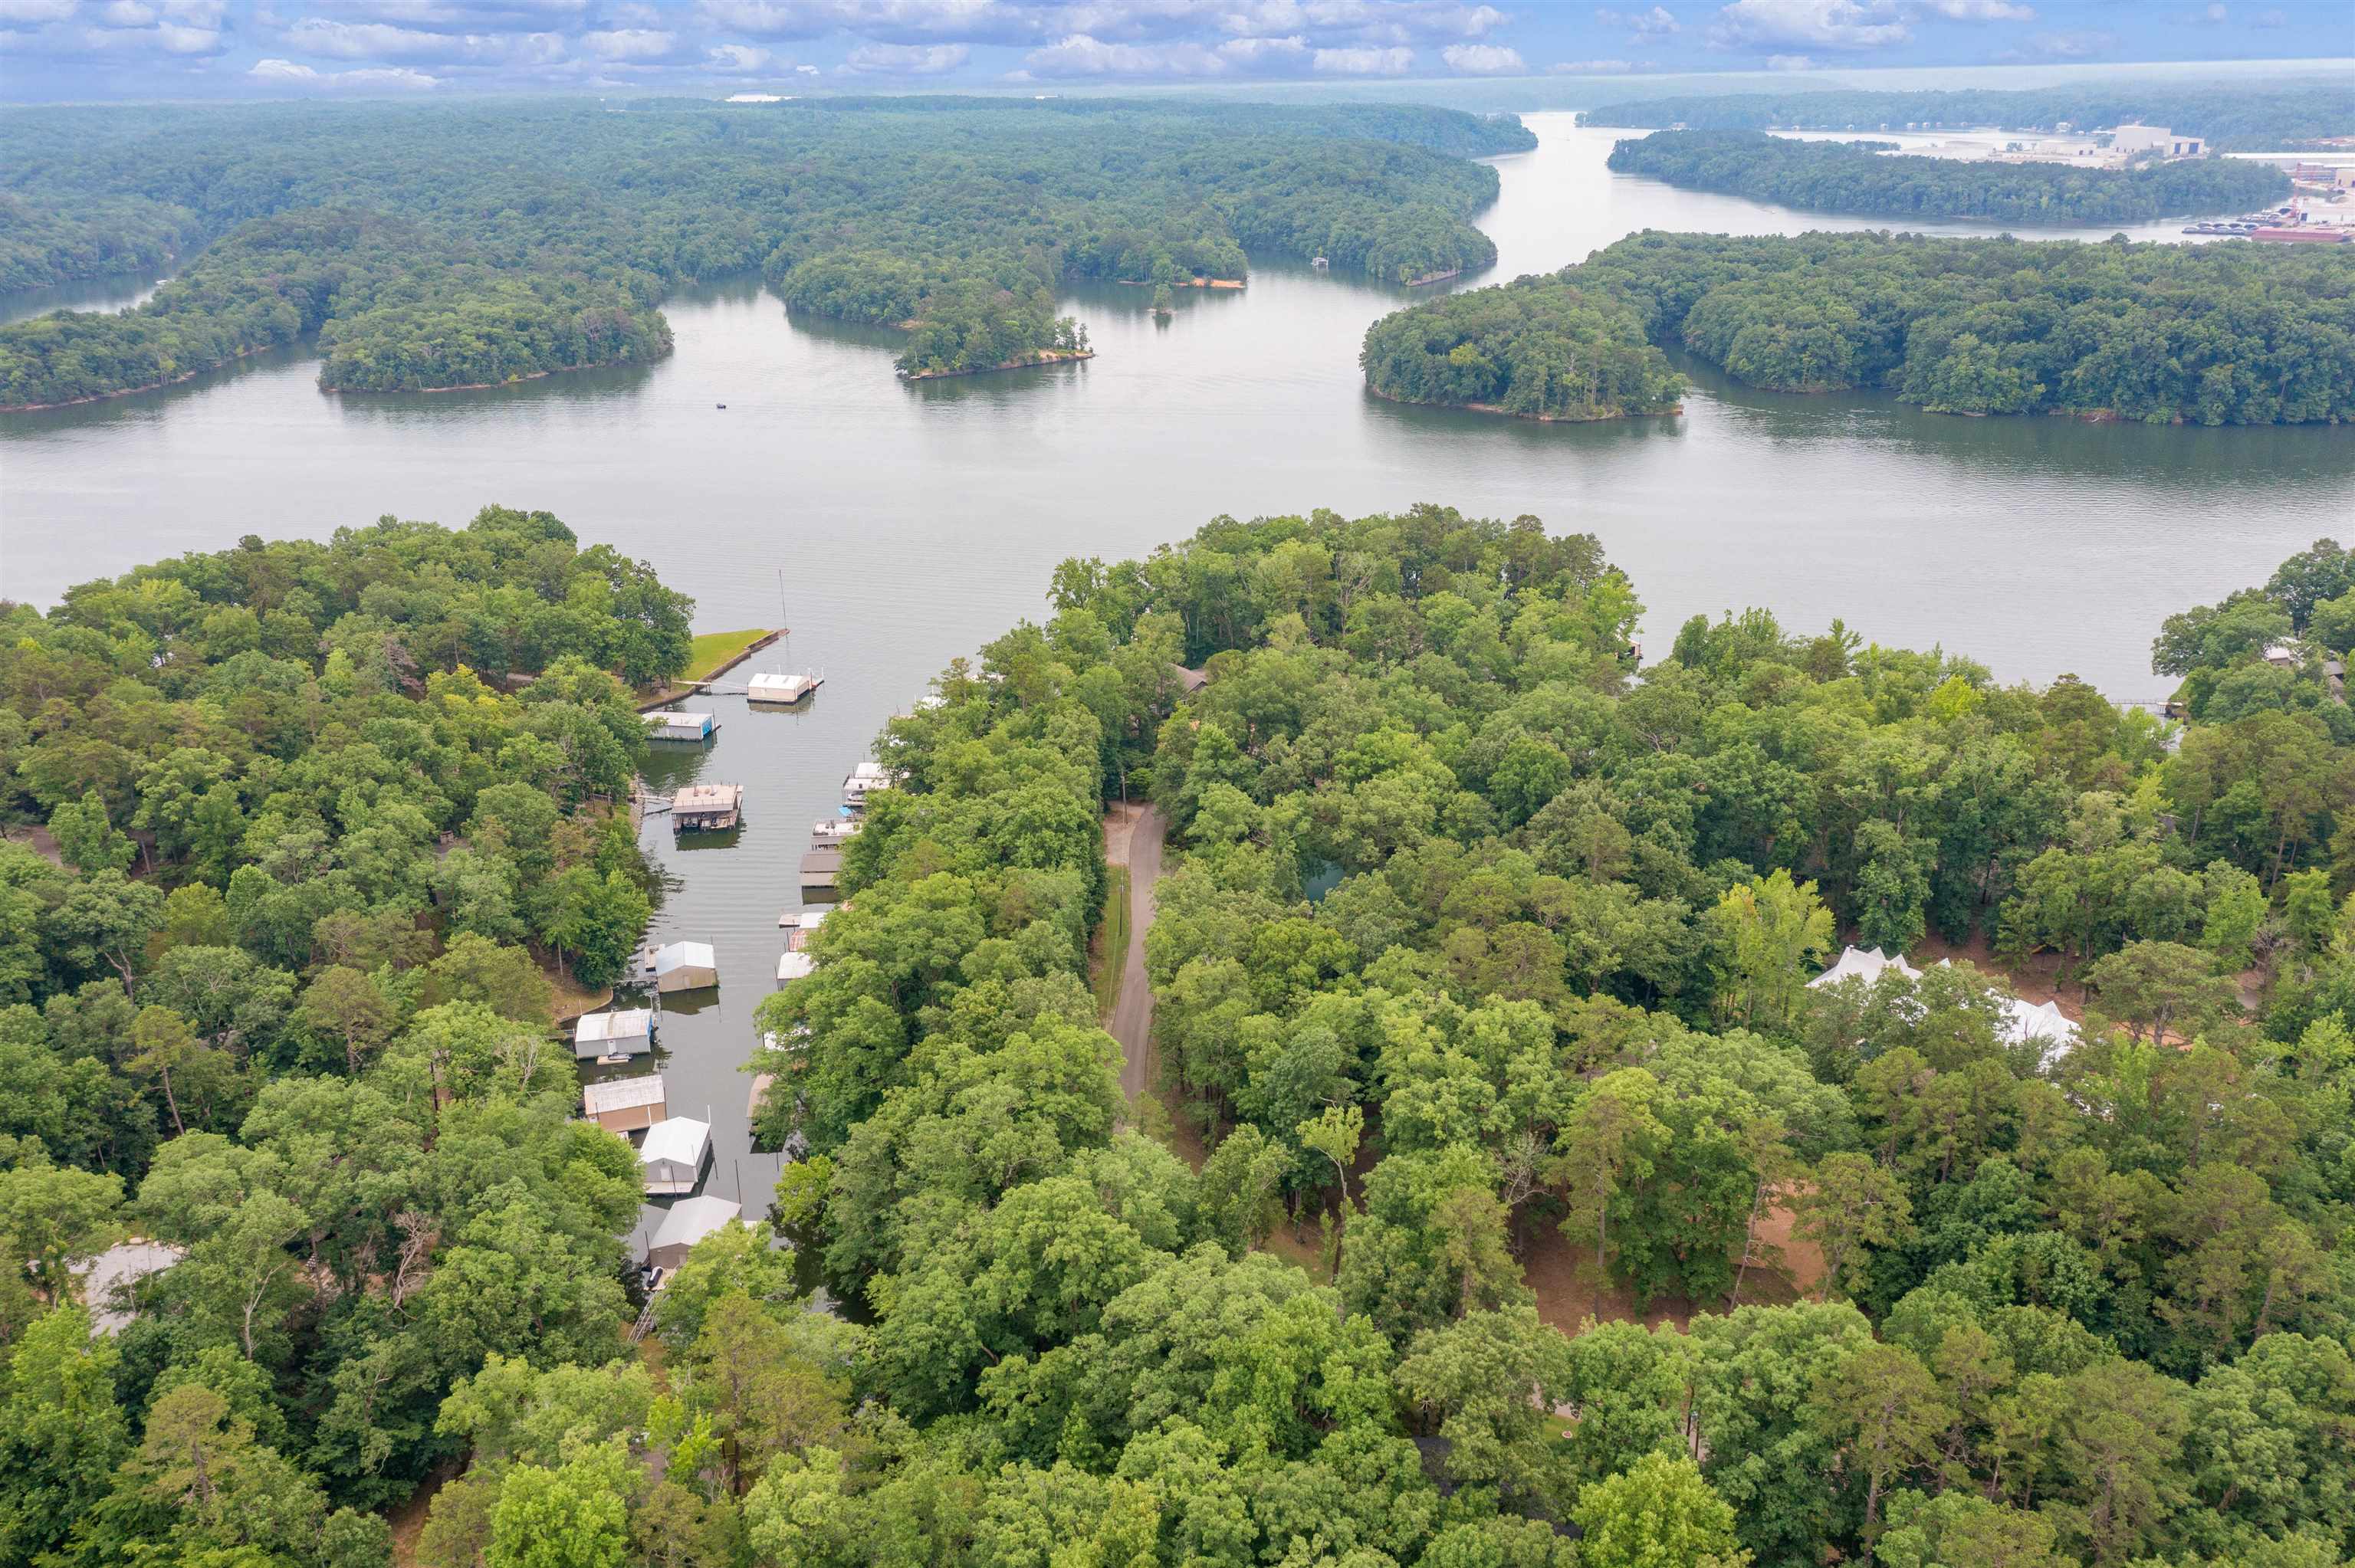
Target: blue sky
x=59 y=49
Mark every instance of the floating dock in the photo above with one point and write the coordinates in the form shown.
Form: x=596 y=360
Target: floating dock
x=678 y=725
x=706 y=809
x=783 y=691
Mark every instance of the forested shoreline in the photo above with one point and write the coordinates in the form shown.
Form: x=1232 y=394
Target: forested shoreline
x=323 y=812
x=2164 y=333
x=433 y=249
x=1837 y=176
x=2256 y=118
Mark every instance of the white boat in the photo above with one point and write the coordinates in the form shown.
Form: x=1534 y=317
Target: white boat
x=835 y=829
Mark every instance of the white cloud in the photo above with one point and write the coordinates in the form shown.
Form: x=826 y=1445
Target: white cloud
x=891 y=21
x=1364 y=61
x=1657 y=22
x=1590 y=67
x=287 y=73
x=1971 y=10
x=2074 y=46
x=2213 y=17
x=127 y=13
x=630 y=43
x=1826 y=24
x=908 y=59
x=1790 y=62
x=35 y=13
x=1483 y=59
x=736 y=57
x=1258 y=54
x=383 y=41
x=1081 y=55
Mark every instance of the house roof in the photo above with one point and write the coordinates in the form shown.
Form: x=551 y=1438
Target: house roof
x=706 y=797
x=684 y=955
x=625 y=1023
x=793 y=966
x=692 y=1219
x=676 y=716
x=622 y=1094
x=680 y=1139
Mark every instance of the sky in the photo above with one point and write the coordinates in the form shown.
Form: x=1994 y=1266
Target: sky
x=53 y=51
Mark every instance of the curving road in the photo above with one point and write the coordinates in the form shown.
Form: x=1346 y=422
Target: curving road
x=1131 y=1016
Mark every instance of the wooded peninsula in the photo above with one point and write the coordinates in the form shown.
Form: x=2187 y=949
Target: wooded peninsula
x=1846 y=176
x=2213 y=335
x=1481 y=969
x=2260 y=117
x=456 y=247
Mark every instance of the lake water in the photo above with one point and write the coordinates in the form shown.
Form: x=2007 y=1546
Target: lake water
x=912 y=524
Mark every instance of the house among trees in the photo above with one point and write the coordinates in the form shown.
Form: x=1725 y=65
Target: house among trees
x=672 y=1158
x=625 y=1105
x=626 y=1032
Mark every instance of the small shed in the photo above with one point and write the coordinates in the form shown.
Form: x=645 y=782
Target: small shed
x=674 y=723
x=793 y=966
x=626 y=1032
x=684 y=965
x=625 y=1105
x=706 y=808
x=821 y=873
x=687 y=1223
x=673 y=1157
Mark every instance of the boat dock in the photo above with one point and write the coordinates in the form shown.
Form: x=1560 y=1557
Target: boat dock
x=706 y=808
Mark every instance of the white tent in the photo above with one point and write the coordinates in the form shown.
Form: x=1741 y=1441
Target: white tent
x=1865 y=963
x=107 y=1279
x=685 y=966
x=689 y=1221
x=674 y=1154
x=2043 y=1024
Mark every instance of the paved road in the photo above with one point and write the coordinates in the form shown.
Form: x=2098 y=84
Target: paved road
x=1132 y=1015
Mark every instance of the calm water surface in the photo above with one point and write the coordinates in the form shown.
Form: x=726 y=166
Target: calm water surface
x=913 y=524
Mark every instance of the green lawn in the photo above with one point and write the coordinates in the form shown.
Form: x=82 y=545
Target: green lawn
x=715 y=650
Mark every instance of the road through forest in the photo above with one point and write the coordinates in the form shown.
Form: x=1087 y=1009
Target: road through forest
x=1132 y=1015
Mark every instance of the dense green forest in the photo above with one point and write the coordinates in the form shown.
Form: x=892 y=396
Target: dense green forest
x=278 y=1007
x=1838 y=176
x=2214 y=335
x=2231 y=118
x=450 y=246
